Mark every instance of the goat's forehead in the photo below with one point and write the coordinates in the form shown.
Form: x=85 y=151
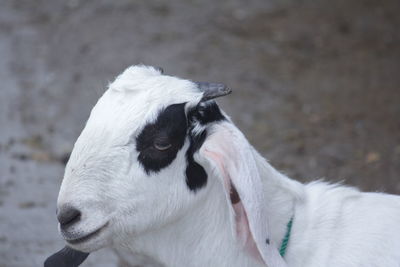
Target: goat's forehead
x=154 y=86
x=143 y=89
x=137 y=96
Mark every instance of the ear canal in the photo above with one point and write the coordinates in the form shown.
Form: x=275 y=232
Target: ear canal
x=234 y=196
x=213 y=90
x=230 y=157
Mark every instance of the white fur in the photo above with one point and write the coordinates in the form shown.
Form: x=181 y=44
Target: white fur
x=157 y=217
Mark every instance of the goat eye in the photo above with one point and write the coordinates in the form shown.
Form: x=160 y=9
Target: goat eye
x=162 y=145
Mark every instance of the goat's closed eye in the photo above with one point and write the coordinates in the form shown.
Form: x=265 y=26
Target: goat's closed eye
x=162 y=145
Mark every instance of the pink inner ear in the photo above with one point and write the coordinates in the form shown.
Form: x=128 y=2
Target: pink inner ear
x=241 y=221
x=243 y=231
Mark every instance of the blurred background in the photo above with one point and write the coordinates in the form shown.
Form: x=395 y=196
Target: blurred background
x=316 y=90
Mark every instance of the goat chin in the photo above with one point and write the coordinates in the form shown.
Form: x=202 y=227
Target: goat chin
x=163 y=176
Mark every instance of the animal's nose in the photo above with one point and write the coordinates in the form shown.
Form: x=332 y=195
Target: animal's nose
x=68 y=215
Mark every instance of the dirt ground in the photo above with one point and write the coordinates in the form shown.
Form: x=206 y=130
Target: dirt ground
x=316 y=90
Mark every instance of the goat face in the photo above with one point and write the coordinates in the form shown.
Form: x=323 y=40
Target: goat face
x=132 y=168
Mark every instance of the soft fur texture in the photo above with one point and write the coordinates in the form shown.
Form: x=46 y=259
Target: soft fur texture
x=153 y=216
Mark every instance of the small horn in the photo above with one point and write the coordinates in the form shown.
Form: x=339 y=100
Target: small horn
x=161 y=70
x=213 y=90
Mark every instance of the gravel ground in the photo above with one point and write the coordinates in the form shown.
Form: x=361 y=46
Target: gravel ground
x=316 y=90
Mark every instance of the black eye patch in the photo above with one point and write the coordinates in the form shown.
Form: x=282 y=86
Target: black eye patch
x=170 y=127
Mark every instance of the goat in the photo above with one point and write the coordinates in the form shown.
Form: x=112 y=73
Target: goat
x=161 y=172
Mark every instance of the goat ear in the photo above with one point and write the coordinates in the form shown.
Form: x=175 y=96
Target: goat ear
x=66 y=257
x=229 y=155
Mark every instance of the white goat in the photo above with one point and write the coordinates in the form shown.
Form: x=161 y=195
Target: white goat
x=161 y=172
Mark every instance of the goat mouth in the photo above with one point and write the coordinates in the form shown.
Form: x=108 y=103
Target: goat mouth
x=88 y=236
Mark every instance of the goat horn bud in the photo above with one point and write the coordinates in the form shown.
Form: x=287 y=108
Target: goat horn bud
x=213 y=90
x=161 y=70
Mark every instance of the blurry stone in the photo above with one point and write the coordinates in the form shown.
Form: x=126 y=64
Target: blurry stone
x=12 y=169
x=372 y=157
x=9 y=183
x=312 y=162
x=35 y=142
x=73 y=4
x=27 y=205
x=314 y=118
x=41 y=156
x=21 y=157
x=292 y=135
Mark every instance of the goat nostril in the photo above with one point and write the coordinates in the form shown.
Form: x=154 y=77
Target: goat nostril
x=68 y=215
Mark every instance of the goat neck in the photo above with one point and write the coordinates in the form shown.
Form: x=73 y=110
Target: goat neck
x=202 y=236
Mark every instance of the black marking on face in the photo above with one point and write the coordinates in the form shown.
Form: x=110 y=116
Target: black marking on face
x=207 y=112
x=196 y=176
x=169 y=131
x=169 y=128
x=267 y=241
